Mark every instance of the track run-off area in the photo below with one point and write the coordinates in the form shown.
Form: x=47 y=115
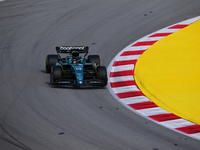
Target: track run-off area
x=175 y=72
x=153 y=61
x=37 y=116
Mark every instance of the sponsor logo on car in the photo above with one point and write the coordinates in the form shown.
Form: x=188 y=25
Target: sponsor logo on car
x=74 y=47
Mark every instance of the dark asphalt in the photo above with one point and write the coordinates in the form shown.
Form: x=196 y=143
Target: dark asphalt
x=36 y=116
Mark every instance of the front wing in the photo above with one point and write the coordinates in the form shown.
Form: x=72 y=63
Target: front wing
x=88 y=82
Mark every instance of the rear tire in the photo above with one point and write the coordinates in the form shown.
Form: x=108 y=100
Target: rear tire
x=51 y=60
x=102 y=74
x=94 y=58
x=56 y=74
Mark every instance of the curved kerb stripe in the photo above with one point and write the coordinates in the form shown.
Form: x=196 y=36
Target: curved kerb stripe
x=124 y=88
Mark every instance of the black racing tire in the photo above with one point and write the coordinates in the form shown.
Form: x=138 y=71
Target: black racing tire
x=94 y=58
x=51 y=60
x=56 y=74
x=102 y=74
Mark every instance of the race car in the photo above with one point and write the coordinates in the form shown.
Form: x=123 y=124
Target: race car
x=74 y=69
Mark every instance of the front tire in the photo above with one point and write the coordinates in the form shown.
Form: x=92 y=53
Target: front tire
x=51 y=60
x=56 y=74
x=102 y=74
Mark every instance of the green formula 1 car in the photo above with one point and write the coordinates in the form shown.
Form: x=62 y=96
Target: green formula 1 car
x=74 y=69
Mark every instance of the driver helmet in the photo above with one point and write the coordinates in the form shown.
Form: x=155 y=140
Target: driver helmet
x=75 y=54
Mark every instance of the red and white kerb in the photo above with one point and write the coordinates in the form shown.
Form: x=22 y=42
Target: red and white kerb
x=124 y=88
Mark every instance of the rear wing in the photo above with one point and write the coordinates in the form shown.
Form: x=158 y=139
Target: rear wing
x=70 y=49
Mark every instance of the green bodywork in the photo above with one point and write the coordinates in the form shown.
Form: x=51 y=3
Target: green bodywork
x=77 y=69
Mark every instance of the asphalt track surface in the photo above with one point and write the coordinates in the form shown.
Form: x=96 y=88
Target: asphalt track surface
x=36 y=116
